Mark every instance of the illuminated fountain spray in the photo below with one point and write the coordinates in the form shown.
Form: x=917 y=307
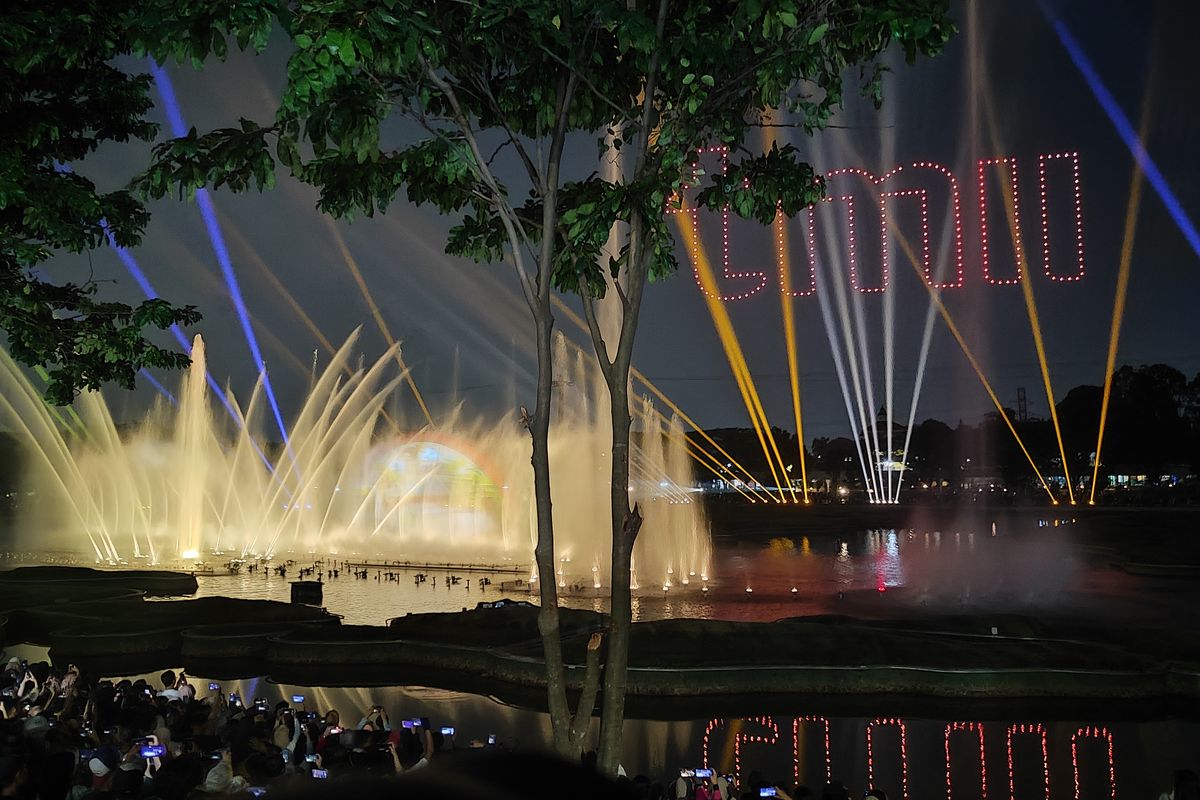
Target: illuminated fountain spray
x=190 y=437
x=183 y=484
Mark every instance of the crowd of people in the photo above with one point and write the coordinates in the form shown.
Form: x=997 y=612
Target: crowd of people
x=67 y=737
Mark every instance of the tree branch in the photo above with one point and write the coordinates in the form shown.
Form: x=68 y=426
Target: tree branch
x=589 y=313
x=535 y=175
x=508 y=215
x=622 y=114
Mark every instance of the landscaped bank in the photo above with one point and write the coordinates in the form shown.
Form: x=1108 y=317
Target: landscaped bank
x=496 y=650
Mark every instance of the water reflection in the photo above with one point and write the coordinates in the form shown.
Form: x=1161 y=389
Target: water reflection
x=874 y=573
x=910 y=758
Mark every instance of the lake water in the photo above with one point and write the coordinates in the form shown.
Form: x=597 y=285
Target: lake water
x=880 y=573
x=1044 y=572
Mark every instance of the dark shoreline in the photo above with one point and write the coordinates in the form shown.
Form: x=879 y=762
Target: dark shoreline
x=830 y=664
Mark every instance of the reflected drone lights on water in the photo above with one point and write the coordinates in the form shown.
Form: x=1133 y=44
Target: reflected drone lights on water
x=182 y=485
x=1026 y=745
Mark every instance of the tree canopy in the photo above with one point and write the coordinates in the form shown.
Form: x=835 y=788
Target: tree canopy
x=61 y=97
x=504 y=67
x=495 y=88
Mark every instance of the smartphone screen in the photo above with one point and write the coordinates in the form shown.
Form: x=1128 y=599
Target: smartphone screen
x=320 y=773
x=447 y=731
x=767 y=791
x=297 y=698
x=311 y=758
x=703 y=773
x=213 y=686
x=687 y=773
x=234 y=699
x=408 y=723
x=153 y=751
x=491 y=738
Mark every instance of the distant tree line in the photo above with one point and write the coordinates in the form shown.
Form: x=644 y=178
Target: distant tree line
x=1153 y=428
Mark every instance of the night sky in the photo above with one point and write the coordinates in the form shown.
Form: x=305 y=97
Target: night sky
x=464 y=325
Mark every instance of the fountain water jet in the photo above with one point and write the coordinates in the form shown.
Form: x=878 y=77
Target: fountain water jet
x=183 y=484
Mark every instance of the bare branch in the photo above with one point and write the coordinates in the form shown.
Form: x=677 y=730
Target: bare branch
x=535 y=175
x=496 y=152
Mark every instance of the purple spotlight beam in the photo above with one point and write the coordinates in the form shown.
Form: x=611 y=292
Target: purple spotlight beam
x=1124 y=128
x=174 y=116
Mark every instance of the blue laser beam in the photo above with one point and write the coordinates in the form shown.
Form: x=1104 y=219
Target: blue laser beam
x=139 y=277
x=166 y=92
x=164 y=391
x=1125 y=129
x=132 y=267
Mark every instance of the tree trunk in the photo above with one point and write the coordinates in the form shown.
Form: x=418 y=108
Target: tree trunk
x=548 y=617
x=625 y=524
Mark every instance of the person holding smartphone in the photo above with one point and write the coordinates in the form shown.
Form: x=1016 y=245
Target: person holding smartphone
x=706 y=786
x=400 y=764
x=376 y=719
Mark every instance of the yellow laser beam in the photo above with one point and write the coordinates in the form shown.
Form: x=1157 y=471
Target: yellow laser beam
x=781 y=478
x=1118 y=315
x=579 y=323
x=352 y=265
x=789 y=335
x=1035 y=323
x=737 y=360
x=962 y=343
x=789 y=319
x=732 y=348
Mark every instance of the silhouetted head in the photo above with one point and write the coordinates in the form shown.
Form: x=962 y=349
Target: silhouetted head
x=479 y=774
x=834 y=790
x=1187 y=785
